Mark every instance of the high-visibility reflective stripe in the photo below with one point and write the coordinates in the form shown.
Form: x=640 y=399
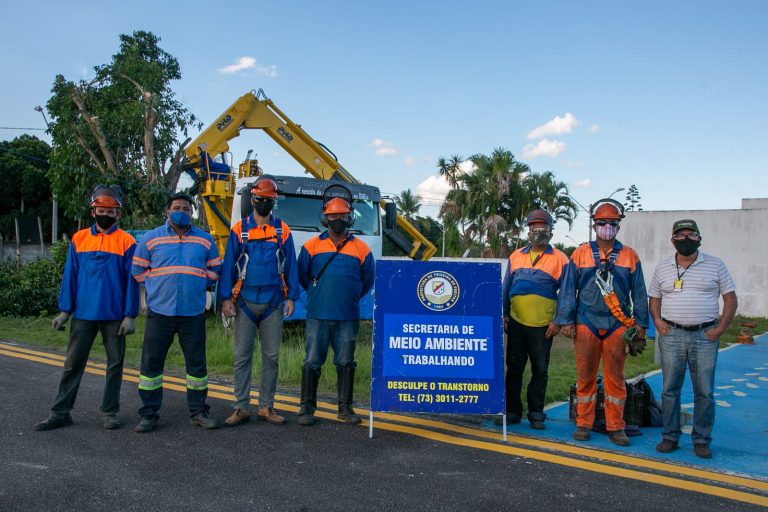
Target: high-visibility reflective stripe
x=213 y=263
x=140 y=262
x=150 y=383
x=197 y=383
x=178 y=269
x=586 y=399
x=614 y=400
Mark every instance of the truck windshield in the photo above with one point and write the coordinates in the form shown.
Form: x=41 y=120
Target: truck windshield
x=303 y=214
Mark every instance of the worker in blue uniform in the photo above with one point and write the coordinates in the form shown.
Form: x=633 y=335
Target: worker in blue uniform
x=176 y=262
x=337 y=270
x=99 y=294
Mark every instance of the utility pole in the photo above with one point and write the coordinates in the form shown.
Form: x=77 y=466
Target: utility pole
x=54 y=201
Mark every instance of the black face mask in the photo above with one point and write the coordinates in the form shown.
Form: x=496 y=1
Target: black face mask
x=105 y=221
x=263 y=208
x=338 y=226
x=687 y=246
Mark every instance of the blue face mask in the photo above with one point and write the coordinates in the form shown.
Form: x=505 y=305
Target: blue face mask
x=180 y=219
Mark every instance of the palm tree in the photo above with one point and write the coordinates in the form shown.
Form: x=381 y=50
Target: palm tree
x=450 y=169
x=491 y=202
x=408 y=204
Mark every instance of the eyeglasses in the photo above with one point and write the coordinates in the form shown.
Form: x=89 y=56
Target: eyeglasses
x=538 y=230
x=260 y=200
x=604 y=222
x=689 y=236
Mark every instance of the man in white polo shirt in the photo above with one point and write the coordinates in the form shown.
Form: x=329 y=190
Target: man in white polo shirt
x=684 y=303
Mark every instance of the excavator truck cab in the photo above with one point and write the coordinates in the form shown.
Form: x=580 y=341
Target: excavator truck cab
x=299 y=203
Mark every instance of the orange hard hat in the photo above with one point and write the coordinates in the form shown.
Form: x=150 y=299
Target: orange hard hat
x=265 y=187
x=105 y=197
x=336 y=205
x=607 y=211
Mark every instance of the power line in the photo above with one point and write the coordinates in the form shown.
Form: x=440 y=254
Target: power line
x=18 y=128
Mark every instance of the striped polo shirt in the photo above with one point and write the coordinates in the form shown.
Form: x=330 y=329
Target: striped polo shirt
x=705 y=280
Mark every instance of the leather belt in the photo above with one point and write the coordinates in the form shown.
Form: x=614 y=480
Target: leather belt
x=691 y=328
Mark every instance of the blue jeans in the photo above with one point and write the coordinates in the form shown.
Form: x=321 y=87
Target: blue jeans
x=692 y=349
x=339 y=334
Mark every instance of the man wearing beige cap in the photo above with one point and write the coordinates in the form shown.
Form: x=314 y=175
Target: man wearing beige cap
x=684 y=300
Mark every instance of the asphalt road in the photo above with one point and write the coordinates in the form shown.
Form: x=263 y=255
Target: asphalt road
x=258 y=466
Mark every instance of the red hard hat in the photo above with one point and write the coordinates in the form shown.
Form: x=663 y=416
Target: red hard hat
x=105 y=197
x=336 y=205
x=539 y=216
x=265 y=187
x=607 y=211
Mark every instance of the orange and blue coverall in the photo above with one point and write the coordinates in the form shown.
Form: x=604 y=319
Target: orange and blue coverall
x=97 y=283
x=598 y=332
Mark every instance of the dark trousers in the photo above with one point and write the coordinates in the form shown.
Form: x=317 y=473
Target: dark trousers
x=82 y=333
x=525 y=342
x=158 y=337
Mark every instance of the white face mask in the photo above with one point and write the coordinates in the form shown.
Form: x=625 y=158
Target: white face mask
x=606 y=232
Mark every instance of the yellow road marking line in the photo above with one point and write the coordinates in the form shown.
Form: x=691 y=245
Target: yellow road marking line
x=93 y=368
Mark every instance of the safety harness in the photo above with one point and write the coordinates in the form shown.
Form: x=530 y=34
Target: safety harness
x=241 y=264
x=604 y=282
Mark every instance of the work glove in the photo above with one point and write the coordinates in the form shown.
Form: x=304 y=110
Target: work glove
x=127 y=326
x=59 y=321
x=634 y=342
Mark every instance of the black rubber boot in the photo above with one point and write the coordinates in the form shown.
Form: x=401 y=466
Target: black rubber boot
x=345 y=385
x=309 y=380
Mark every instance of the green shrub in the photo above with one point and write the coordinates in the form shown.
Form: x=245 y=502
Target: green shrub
x=32 y=289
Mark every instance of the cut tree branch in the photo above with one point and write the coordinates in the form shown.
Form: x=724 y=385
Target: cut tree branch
x=95 y=127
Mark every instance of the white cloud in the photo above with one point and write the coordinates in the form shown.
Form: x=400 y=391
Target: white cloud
x=244 y=63
x=384 y=147
x=594 y=128
x=572 y=163
x=582 y=183
x=544 y=147
x=556 y=126
x=433 y=190
x=411 y=160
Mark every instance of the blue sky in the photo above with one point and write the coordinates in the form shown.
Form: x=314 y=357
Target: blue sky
x=669 y=96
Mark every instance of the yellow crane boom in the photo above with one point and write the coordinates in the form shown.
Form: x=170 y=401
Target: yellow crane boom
x=256 y=111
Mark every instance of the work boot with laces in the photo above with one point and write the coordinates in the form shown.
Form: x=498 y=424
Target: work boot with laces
x=238 y=417
x=618 y=437
x=53 y=421
x=581 y=434
x=202 y=420
x=270 y=415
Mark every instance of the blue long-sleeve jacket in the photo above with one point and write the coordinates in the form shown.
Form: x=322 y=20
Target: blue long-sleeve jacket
x=262 y=284
x=580 y=299
x=176 y=269
x=97 y=282
x=336 y=294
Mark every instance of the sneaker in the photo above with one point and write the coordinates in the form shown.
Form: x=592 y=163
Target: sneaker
x=238 y=417
x=53 y=422
x=619 y=438
x=202 y=420
x=538 y=425
x=270 y=415
x=110 y=422
x=666 y=446
x=581 y=434
x=147 y=424
x=702 y=450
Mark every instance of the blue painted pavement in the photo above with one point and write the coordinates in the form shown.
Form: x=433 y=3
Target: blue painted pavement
x=740 y=437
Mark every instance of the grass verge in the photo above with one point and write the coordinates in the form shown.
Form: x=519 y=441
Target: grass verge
x=220 y=346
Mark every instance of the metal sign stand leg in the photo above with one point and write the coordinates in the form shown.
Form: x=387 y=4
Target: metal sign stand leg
x=370 y=424
x=504 y=427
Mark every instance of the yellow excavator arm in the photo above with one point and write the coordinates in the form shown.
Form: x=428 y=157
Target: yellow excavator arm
x=256 y=111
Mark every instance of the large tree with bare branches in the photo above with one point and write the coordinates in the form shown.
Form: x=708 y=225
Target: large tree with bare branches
x=122 y=126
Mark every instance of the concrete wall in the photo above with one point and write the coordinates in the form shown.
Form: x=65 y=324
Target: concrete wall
x=28 y=252
x=738 y=237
